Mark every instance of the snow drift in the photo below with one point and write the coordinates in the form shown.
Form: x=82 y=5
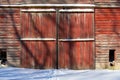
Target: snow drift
x=12 y=73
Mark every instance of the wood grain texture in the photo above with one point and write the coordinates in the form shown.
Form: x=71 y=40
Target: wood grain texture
x=76 y=54
x=107 y=33
x=39 y=54
x=71 y=54
x=9 y=34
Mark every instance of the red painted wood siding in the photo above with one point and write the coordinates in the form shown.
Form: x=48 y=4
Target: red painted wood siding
x=76 y=25
x=76 y=54
x=38 y=54
x=107 y=33
x=38 y=25
x=72 y=54
x=9 y=34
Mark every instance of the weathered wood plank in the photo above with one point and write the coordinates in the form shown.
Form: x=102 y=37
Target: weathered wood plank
x=9 y=32
x=107 y=33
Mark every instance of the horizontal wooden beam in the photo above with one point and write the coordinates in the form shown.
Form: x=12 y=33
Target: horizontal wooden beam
x=52 y=39
x=49 y=5
x=80 y=39
x=40 y=39
x=38 y=10
x=95 y=5
x=61 y=10
x=76 y=10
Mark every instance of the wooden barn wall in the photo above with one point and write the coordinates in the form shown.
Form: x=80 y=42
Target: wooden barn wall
x=107 y=23
x=9 y=34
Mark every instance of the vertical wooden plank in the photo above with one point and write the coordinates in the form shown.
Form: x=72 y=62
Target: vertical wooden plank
x=32 y=53
x=77 y=55
x=26 y=59
x=22 y=24
x=92 y=55
x=22 y=35
x=82 y=26
x=74 y=25
x=26 y=26
x=64 y=21
x=22 y=56
x=39 y=56
x=86 y=57
x=64 y=57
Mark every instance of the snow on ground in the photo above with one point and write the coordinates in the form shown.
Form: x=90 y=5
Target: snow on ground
x=12 y=73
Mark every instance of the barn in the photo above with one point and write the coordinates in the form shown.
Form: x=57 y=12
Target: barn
x=52 y=34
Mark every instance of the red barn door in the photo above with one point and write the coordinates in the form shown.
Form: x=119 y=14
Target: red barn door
x=71 y=46
x=38 y=40
x=76 y=39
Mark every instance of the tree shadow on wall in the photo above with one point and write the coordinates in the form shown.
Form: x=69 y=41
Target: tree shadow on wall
x=9 y=29
x=107 y=33
x=32 y=55
x=40 y=54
